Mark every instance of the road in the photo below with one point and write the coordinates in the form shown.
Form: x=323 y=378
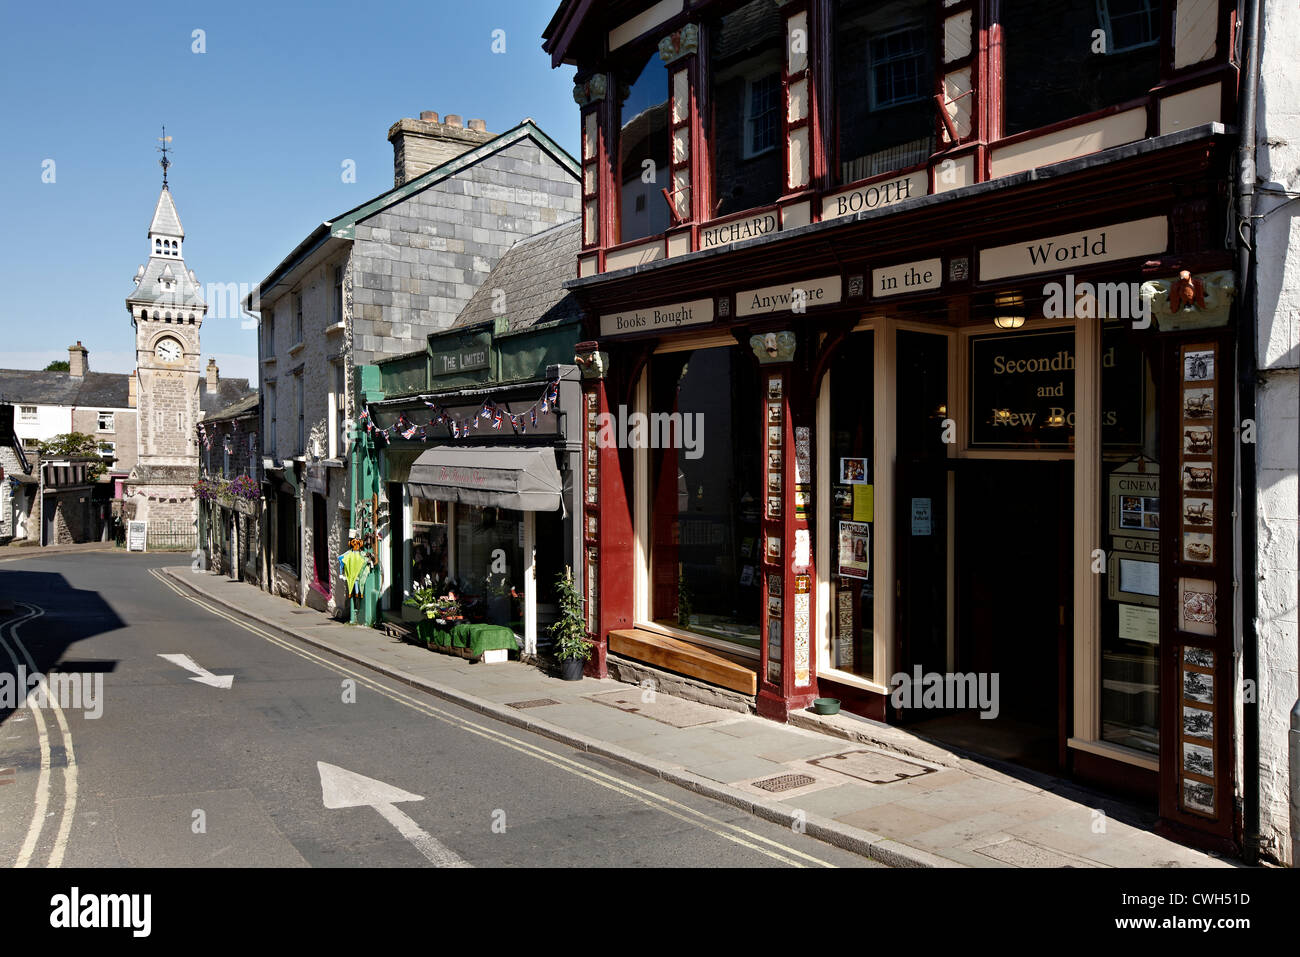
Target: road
x=178 y=772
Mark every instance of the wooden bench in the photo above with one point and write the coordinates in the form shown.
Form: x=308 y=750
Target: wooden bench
x=673 y=654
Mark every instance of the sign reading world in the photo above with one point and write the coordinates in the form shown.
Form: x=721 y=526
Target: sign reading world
x=1022 y=391
x=663 y=318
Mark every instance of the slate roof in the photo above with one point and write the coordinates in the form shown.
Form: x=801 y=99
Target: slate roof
x=186 y=294
x=243 y=406
x=166 y=221
x=532 y=274
x=110 y=390
x=229 y=392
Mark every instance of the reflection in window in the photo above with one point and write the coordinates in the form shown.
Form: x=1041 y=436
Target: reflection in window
x=1065 y=59
x=706 y=476
x=1130 y=527
x=643 y=160
x=884 y=86
x=746 y=56
x=852 y=608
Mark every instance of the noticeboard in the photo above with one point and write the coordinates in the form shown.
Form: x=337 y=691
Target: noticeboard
x=136 y=533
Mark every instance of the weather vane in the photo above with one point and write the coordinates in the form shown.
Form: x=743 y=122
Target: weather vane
x=164 y=162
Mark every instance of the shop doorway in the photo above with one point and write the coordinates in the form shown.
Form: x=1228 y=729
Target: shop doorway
x=1013 y=527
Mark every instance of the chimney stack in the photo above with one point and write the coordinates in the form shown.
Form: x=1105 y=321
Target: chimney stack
x=78 y=360
x=131 y=388
x=214 y=376
x=423 y=144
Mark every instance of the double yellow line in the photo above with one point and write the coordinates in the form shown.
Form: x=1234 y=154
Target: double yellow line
x=731 y=832
x=44 y=778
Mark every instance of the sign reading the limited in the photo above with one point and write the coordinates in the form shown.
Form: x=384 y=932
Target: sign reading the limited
x=657 y=318
x=466 y=354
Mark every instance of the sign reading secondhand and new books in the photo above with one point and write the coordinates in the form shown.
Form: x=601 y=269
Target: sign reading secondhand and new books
x=1022 y=391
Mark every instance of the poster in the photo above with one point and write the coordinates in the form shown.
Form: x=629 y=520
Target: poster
x=864 y=503
x=853 y=471
x=855 y=550
x=135 y=536
x=1139 y=623
x=922 y=517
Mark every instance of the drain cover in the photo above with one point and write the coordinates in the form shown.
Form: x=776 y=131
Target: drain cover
x=872 y=767
x=785 y=782
x=533 y=703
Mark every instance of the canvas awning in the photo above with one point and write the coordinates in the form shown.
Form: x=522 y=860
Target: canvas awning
x=522 y=479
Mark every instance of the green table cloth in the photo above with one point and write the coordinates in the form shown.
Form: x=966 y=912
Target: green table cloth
x=476 y=638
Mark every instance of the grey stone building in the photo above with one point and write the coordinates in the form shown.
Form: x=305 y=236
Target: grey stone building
x=372 y=283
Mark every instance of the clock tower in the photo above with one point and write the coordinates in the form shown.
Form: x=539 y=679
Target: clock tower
x=167 y=311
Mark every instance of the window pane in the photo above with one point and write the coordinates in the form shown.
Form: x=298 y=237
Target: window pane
x=490 y=565
x=746 y=56
x=706 y=475
x=884 y=86
x=1130 y=528
x=852 y=458
x=1056 y=67
x=643 y=144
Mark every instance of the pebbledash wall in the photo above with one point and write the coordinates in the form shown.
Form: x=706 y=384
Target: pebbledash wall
x=1277 y=305
x=374 y=282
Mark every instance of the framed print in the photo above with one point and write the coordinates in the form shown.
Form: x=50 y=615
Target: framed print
x=1198 y=365
x=853 y=471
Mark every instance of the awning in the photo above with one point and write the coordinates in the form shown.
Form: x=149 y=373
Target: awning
x=522 y=479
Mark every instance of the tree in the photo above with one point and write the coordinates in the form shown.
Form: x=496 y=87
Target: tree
x=75 y=445
x=58 y=365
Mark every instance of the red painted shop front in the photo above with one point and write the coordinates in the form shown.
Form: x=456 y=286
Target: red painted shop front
x=909 y=446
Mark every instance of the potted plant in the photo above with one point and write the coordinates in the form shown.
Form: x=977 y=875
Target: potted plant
x=572 y=647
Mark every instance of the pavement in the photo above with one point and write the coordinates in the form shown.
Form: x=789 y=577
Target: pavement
x=14 y=552
x=861 y=786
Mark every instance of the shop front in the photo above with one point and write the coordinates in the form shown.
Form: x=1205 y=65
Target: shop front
x=964 y=473
x=480 y=513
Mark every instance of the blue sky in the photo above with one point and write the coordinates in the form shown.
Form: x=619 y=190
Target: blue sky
x=262 y=123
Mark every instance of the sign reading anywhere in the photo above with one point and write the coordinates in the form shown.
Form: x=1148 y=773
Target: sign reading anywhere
x=657 y=318
x=462 y=354
x=1071 y=251
x=1022 y=391
x=786 y=298
x=135 y=536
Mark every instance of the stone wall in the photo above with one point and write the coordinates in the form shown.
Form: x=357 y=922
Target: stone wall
x=123 y=433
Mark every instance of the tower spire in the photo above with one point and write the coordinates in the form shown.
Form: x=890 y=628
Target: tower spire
x=164 y=162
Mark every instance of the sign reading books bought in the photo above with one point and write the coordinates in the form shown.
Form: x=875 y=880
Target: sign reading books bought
x=1022 y=391
x=657 y=318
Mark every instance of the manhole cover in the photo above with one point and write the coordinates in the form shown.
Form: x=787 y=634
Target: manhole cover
x=785 y=782
x=533 y=703
x=872 y=767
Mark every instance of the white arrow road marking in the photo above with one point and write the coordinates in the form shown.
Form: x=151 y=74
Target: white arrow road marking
x=203 y=675
x=343 y=788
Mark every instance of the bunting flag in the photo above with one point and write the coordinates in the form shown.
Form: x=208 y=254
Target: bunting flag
x=459 y=428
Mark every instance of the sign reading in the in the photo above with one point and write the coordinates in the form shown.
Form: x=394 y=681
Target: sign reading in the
x=907 y=277
x=1022 y=391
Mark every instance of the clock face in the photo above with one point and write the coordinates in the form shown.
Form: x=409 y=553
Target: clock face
x=168 y=350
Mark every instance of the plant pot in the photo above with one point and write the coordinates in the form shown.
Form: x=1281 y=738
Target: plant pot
x=571 y=669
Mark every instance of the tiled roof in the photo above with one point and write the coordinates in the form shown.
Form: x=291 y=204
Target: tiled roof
x=106 y=389
x=166 y=221
x=531 y=275
x=229 y=392
x=185 y=295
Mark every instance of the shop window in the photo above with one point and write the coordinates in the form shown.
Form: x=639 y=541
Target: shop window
x=746 y=58
x=428 y=539
x=643 y=158
x=706 y=494
x=852 y=441
x=1130 y=518
x=490 y=565
x=1064 y=59
x=884 y=51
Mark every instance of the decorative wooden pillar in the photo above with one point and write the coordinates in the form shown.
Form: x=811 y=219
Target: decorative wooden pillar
x=590 y=94
x=787 y=673
x=606 y=561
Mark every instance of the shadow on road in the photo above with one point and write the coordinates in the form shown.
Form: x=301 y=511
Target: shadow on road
x=71 y=615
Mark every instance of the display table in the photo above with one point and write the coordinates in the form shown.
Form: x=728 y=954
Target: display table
x=466 y=638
